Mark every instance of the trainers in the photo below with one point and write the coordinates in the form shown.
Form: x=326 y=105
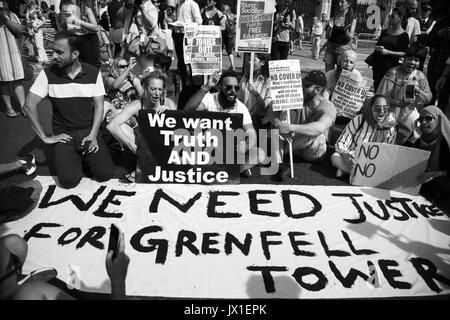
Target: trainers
x=28 y=163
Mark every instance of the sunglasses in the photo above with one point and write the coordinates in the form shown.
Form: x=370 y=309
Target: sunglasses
x=236 y=88
x=426 y=118
x=15 y=266
x=123 y=66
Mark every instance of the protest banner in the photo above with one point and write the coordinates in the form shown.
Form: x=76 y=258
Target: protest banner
x=206 y=54
x=286 y=84
x=188 y=147
x=254 y=25
x=190 y=31
x=350 y=93
x=389 y=167
x=257 y=241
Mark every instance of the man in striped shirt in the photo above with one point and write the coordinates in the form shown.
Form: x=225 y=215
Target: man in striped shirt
x=76 y=92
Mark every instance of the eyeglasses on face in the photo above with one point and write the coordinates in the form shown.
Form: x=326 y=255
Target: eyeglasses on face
x=425 y=118
x=236 y=88
x=15 y=266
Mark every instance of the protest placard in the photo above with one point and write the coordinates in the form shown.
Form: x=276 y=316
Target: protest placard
x=350 y=93
x=254 y=25
x=388 y=166
x=188 y=147
x=190 y=32
x=286 y=84
x=255 y=241
x=206 y=52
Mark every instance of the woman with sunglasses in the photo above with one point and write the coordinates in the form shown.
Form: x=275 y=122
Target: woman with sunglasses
x=407 y=90
x=123 y=86
x=434 y=129
x=366 y=127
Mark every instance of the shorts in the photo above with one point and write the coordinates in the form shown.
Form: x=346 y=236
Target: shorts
x=115 y=35
x=334 y=51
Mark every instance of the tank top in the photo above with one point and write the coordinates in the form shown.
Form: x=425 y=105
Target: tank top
x=213 y=20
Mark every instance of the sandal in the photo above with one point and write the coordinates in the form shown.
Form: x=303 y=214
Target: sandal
x=130 y=177
x=11 y=114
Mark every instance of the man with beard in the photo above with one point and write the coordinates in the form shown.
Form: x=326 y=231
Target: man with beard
x=309 y=126
x=76 y=92
x=225 y=100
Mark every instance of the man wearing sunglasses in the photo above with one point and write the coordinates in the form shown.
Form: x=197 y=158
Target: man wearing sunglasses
x=225 y=100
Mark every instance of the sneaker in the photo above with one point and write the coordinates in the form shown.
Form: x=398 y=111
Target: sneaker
x=28 y=163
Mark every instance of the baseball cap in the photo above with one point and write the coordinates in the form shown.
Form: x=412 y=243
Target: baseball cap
x=315 y=77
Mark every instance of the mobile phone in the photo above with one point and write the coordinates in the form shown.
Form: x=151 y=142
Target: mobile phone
x=410 y=92
x=86 y=146
x=113 y=244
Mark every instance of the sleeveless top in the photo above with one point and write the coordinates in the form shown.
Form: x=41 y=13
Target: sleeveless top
x=213 y=20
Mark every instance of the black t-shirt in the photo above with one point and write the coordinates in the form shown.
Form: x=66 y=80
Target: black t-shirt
x=115 y=19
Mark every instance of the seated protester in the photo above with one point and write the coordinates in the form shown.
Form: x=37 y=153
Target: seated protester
x=406 y=103
x=76 y=92
x=161 y=62
x=225 y=100
x=309 y=126
x=154 y=98
x=257 y=95
x=13 y=252
x=434 y=128
x=346 y=61
x=366 y=127
x=123 y=87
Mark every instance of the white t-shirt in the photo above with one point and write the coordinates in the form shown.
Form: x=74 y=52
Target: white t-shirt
x=211 y=102
x=413 y=27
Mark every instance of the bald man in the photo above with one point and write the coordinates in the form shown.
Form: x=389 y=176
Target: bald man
x=347 y=61
x=412 y=27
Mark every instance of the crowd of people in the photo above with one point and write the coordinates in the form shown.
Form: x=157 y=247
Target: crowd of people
x=89 y=109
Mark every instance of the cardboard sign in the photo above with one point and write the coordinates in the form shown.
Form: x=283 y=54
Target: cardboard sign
x=350 y=93
x=255 y=241
x=187 y=147
x=254 y=25
x=389 y=167
x=286 y=84
x=206 y=54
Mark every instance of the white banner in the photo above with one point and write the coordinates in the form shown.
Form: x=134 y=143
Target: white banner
x=286 y=84
x=257 y=241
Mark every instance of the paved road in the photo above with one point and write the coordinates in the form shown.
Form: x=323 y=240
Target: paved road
x=17 y=138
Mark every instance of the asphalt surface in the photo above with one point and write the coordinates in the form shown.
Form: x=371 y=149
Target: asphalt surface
x=17 y=138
